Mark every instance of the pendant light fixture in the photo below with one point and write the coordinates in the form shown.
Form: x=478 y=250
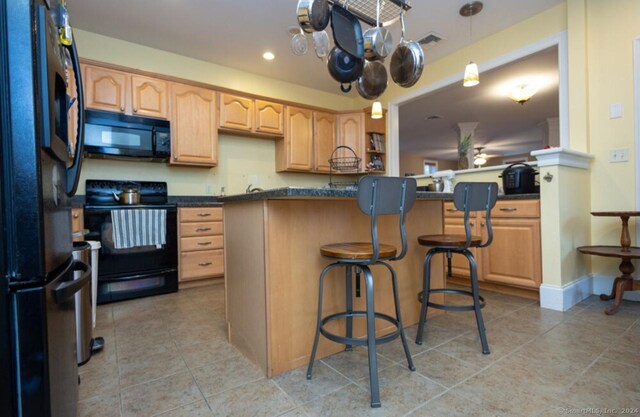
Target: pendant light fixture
x=376 y=110
x=471 y=74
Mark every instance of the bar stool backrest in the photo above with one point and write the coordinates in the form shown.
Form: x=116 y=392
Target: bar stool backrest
x=378 y=195
x=476 y=196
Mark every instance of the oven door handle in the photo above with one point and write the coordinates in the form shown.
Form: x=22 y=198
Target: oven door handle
x=64 y=291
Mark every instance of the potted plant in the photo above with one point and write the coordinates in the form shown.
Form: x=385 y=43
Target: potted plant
x=463 y=150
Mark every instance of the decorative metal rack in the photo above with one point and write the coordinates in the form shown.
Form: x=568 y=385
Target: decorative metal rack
x=365 y=10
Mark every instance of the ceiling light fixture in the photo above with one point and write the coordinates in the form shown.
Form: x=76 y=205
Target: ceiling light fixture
x=522 y=93
x=471 y=73
x=479 y=158
x=376 y=110
x=269 y=56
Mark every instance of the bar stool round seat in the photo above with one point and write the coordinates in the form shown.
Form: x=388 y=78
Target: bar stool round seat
x=448 y=240
x=357 y=250
x=377 y=195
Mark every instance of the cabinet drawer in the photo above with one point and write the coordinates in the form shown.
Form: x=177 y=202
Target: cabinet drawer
x=200 y=229
x=194 y=265
x=200 y=214
x=450 y=210
x=516 y=208
x=201 y=243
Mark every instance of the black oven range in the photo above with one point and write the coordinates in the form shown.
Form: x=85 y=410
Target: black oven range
x=139 y=246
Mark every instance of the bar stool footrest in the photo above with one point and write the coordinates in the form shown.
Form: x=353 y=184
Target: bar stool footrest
x=451 y=307
x=354 y=340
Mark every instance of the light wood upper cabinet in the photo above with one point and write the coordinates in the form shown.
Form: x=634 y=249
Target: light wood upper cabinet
x=324 y=139
x=149 y=97
x=295 y=151
x=269 y=117
x=236 y=112
x=247 y=115
x=106 y=89
x=117 y=91
x=351 y=133
x=194 y=128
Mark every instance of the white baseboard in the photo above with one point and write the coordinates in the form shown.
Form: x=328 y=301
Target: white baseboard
x=562 y=298
x=602 y=284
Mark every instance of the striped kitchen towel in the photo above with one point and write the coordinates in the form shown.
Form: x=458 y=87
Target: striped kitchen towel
x=139 y=227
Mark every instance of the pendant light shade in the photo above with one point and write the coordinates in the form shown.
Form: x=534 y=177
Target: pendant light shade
x=376 y=110
x=471 y=75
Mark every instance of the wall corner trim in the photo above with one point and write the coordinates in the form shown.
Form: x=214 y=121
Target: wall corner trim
x=562 y=157
x=562 y=298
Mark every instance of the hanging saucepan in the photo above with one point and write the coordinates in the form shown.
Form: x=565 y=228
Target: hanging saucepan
x=347 y=32
x=344 y=68
x=313 y=15
x=373 y=81
x=407 y=60
x=377 y=40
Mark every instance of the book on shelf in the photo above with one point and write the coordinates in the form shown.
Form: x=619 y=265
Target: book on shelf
x=376 y=142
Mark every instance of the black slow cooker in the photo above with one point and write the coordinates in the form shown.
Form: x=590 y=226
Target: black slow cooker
x=519 y=178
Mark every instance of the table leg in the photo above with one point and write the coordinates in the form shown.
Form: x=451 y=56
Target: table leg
x=620 y=285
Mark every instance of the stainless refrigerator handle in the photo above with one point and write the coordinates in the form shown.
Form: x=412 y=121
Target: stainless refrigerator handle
x=73 y=172
x=67 y=289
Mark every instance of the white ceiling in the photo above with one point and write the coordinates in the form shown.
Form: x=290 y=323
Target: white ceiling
x=236 y=33
x=504 y=126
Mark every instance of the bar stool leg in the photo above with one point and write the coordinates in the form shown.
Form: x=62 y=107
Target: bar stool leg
x=319 y=320
x=371 y=339
x=349 y=284
x=396 y=299
x=426 y=282
x=476 y=301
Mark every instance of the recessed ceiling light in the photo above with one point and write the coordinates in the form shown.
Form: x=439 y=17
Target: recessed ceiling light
x=269 y=56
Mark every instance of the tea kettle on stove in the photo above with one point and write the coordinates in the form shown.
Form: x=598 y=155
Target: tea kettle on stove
x=129 y=196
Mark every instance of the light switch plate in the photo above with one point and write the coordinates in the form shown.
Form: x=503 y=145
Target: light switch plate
x=615 y=111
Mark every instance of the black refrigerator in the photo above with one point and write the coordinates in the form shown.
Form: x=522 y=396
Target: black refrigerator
x=40 y=171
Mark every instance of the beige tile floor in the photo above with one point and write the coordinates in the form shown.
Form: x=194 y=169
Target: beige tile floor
x=168 y=356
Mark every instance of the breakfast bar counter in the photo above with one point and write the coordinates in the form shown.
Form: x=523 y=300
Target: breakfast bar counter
x=273 y=263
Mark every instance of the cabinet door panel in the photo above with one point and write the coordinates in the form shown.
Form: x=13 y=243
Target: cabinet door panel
x=106 y=89
x=269 y=117
x=514 y=255
x=324 y=136
x=459 y=263
x=236 y=112
x=299 y=139
x=351 y=133
x=150 y=97
x=194 y=131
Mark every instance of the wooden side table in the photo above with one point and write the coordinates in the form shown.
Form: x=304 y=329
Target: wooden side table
x=625 y=251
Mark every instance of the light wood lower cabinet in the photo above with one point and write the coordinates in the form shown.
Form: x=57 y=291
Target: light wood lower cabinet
x=77 y=223
x=201 y=245
x=514 y=256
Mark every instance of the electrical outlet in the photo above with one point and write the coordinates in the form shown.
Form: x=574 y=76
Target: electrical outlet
x=208 y=189
x=619 y=155
x=253 y=179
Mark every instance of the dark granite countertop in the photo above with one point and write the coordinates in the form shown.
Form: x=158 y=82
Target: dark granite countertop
x=308 y=192
x=195 y=201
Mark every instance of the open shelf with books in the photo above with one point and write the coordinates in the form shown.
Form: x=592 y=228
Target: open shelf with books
x=375 y=154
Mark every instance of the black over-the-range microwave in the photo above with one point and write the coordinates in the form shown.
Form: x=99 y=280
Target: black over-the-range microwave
x=120 y=136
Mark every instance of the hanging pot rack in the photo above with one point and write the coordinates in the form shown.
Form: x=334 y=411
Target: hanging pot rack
x=365 y=10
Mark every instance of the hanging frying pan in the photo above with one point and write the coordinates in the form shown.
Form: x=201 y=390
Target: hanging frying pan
x=373 y=81
x=377 y=41
x=347 y=32
x=344 y=67
x=407 y=60
x=313 y=15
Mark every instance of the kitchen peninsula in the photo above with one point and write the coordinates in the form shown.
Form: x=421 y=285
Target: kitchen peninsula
x=273 y=263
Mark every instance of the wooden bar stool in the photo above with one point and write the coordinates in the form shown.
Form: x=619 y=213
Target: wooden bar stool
x=467 y=197
x=376 y=196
